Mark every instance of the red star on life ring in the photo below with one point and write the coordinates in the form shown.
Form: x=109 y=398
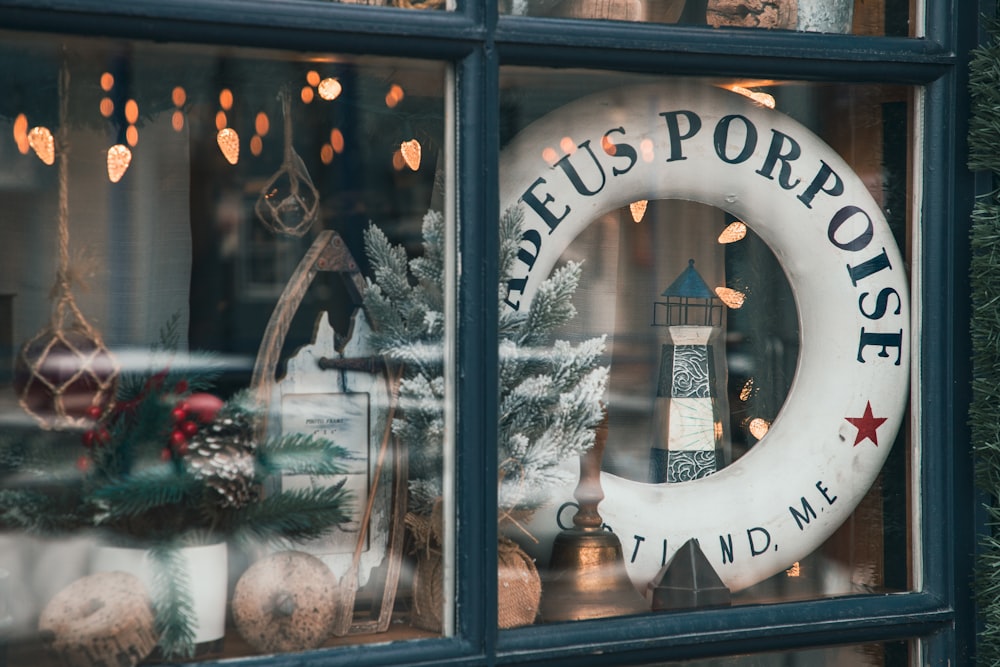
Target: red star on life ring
x=867 y=425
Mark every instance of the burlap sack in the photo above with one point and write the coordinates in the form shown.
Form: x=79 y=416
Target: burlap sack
x=519 y=587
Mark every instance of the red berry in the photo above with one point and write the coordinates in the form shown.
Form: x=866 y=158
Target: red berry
x=181 y=387
x=83 y=462
x=182 y=448
x=179 y=413
x=189 y=428
x=88 y=438
x=102 y=437
x=177 y=438
x=94 y=412
x=165 y=454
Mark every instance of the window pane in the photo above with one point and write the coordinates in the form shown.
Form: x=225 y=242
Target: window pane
x=719 y=250
x=194 y=365
x=885 y=17
x=890 y=654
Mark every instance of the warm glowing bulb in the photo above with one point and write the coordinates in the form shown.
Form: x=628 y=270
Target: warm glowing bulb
x=131 y=111
x=638 y=209
x=21 y=133
x=734 y=232
x=131 y=136
x=758 y=427
x=608 y=145
x=391 y=101
x=795 y=570
x=329 y=89
x=326 y=154
x=262 y=124
x=396 y=92
x=107 y=107
x=312 y=78
x=177 y=120
x=178 y=96
x=307 y=94
x=549 y=155
x=43 y=143
x=761 y=98
x=732 y=298
x=256 y=145
x=411 y=153
x=397 y=160
x=107 y=82
x=119 y=158
x=567 y=145
x=226 y=99
x=646 y=147
x=747 y=391
x=229 y=144
x=717 y=431
x=337 y=140
x=220 y=120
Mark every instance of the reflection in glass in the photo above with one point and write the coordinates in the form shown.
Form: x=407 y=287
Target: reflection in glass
x=886 y=17
x=686 y=402
x=201 y=394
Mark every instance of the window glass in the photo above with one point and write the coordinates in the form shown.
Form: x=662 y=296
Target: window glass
x=886 y=17
x=706 y=279
x=220 y=280
x=889 y=654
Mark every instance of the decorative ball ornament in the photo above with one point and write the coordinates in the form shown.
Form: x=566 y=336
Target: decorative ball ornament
x=62 y=374
x=101 y=619
x=285 y=602
x=288 y=202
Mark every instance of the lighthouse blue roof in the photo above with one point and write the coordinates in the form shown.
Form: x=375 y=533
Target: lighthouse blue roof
x=689 y=285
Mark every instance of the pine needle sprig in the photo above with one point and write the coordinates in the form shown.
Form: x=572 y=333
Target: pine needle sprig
x=292 y=515
x=172 y=600
x=301 y=454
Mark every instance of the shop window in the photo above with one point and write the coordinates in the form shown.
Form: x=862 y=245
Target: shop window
x=202 y=308
x=698 y=335
x=823 y=16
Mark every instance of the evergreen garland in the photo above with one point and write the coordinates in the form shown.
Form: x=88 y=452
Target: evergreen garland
x=140 y=484
x=984 y=418
x=550 y=393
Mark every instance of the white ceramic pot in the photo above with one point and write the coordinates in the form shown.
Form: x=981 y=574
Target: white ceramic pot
x=206 y=567
x=825 y=15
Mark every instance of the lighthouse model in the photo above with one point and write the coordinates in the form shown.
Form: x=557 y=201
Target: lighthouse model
x=686 y=421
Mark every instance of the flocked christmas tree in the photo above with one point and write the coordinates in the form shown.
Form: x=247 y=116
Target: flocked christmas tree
x=550 y=392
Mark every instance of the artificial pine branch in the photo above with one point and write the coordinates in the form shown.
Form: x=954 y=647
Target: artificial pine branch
x=300 y=454
x=297 y=515
x=171 y=592
x=550 y=393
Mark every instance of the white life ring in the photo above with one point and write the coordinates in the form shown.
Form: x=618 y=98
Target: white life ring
x=780 y=501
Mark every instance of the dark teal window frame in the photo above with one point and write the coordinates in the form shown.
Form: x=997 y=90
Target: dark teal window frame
x=477 y=42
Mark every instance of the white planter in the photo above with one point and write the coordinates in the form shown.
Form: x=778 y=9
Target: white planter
x=206 y=568
x=825 y=15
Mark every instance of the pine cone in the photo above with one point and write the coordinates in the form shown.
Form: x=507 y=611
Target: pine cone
x=222 y=454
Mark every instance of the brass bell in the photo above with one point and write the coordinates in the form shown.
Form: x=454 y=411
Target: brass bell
x=587 y=576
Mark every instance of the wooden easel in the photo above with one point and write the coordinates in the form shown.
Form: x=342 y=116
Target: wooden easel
x=329 y=253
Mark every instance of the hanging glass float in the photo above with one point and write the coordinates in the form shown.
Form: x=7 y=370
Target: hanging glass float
x=64 y=375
